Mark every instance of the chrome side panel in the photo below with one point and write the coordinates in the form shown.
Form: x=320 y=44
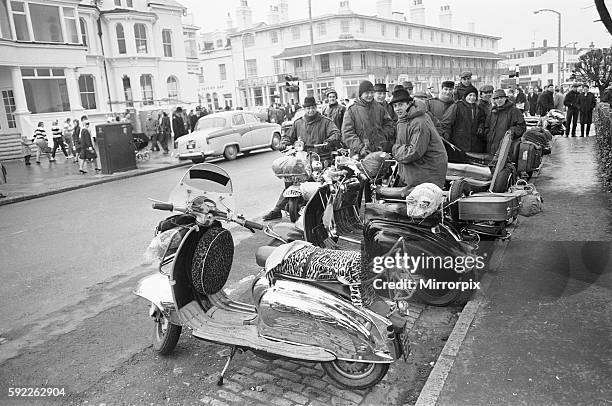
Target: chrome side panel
x=156 y=289
x=301 y=313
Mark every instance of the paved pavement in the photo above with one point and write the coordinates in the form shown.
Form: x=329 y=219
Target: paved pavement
x=542 y=334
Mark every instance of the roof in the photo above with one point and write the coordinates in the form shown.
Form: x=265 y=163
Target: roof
x=357 y=45
x=167 y=3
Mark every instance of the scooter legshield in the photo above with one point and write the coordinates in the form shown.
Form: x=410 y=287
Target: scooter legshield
x=301 y=313
x=156 y=289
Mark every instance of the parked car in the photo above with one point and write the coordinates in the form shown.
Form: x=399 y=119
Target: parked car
x=227 y=133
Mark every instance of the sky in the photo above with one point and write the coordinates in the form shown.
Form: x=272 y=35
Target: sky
x=513 y=20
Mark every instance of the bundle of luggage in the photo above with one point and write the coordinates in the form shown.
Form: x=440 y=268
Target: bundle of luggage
x=528 y=152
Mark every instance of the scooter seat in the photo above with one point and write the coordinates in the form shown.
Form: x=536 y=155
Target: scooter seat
x=481 y=157
x=385 y=192
x=262 y=254
x=288 y=231
x=469 y=171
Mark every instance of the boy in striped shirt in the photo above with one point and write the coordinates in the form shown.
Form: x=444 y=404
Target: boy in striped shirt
x=58 y=140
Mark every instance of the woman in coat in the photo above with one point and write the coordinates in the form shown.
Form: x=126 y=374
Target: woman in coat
x=586 y=104
x=463 y=123
x=87 y=149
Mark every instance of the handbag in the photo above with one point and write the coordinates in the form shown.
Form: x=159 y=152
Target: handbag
x=531 y=200
x=90 y=153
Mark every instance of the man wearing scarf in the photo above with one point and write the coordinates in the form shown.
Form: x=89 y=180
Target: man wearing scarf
x=334 y=110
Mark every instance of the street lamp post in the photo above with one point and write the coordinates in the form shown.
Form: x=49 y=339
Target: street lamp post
x=312 y=55
x=558 y=42
x=564 y=46
x=244 y=65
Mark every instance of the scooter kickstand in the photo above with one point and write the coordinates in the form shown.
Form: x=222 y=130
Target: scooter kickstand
x=229 y=359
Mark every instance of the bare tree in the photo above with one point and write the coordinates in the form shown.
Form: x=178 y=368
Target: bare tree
x=595 y=67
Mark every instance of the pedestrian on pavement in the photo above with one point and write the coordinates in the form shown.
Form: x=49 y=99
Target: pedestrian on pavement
x=288 y=111
x=571 y=102
x=465 y=80
x=76 y=138
x=419 y=150
x=546 y=101
x=484 y=102
x=520 y=100
x=193 y=120
x=151 y=131
x=178 y=125
x=438 y=105
x=504 y=116
x=463 y=123
x=88 y=153
x=532 y=101
x=280 y=113
x=511 y=96
x=68 y=134
x=58 y=140
x=26 y=151
x=586 y=104
x=334 y=110
x=558 y=99
x=380 y=95
x=40 y=139
x=164 y=131
x=367 y=127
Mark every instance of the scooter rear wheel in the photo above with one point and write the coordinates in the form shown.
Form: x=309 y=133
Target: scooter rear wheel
x=355 y=375
x=165 y=335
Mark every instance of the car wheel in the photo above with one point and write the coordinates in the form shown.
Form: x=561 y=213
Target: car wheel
x=276 y=138
x=231 y=152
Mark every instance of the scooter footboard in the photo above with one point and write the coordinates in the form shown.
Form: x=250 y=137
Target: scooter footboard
x=156 y=289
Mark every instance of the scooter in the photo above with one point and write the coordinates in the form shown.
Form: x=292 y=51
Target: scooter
x=291 y=316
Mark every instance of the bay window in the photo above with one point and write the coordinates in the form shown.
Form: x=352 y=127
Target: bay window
x=140 y=36
x=70 y=23
x=146 y=88
x=45 y=89
x=120 y=38
x=87 y=91
x=20 y=20
x=45 y=23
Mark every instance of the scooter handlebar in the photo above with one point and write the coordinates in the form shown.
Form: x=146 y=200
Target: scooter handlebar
x=163 y=206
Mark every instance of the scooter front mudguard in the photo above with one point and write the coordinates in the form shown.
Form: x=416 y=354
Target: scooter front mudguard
x=156 y=289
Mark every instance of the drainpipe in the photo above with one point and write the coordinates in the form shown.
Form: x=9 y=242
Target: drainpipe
x=110 y=105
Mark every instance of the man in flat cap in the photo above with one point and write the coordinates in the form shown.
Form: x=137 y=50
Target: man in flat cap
x=334 y=110
x=380 y=95
x=484 y=102
x=465 y=79
x=438 y=105
x=504 y=116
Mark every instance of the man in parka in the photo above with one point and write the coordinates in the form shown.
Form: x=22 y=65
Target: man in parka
x=465 y=80
x=504 y=116
x=334 y=110
x=571 y=102
x=484 y=102
x=367 y=127
x=418 y=148
x=546 y=101
x=438 y=105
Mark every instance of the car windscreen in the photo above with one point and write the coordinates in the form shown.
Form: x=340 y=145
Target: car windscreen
x=212 y=122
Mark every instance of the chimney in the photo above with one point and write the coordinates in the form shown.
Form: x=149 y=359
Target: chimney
x=244 y=15
x=417 y=12
x=283 y=9
x=273 y=15
x=397 y=16
x=383 y=9
x=472 y=27
x=345 y=7
x=545 y=43
x=229 y=23
x=446 y=17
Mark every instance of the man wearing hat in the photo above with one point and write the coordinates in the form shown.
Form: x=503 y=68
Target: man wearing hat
x=504 y=116
x=546 y=101
x=418 y=148
x=484 y=102
x=334 y=110
x=571 y=102
x=438 y=105
x=380 y=95
x=367 y=127
x=312 y=128
x=465 y=79
x=463 y=124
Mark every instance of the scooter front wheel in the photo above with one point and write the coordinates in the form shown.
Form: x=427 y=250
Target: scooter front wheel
x=293 y=207
x=354 y=374
x=165 y=335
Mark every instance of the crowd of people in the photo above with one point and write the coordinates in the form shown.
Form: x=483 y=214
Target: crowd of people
x=412 y=125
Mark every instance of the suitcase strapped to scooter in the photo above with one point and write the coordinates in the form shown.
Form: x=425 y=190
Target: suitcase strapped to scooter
x=489 y=206
x=530 y=157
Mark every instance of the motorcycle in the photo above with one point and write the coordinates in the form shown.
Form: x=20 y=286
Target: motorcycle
x=292 y=316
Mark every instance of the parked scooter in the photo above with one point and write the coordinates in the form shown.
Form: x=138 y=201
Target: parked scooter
x=291 y=316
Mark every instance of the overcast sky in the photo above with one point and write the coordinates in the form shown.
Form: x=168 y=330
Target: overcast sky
x=513 y=20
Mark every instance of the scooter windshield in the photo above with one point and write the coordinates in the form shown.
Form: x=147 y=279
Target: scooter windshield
x=204 y=180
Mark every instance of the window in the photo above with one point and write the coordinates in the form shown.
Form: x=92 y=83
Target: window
x=216 y=101
x=249 y=40
x=87 y=91
x=397 y=31
x=383 y=30
x=258 y=96
x=129 y=3
x=250 y=119
x=222 y=72
x=211 y=122
x=46 y=90
x=385 y=62
x=219 y=43
x=409 y=33
x=346 y=61
x=146 y=88
x=362 y=26
x=251 y=68
x=120 y=38
x=9 y=107
x=5 y=31
x=191 y=47
x=474 y=42
x=210 y=107
x=140 y=35
x=345 y=26
x=45 y=23
x=421 y=34
x=450 y=38
x=432 y=36
x=481 y=42
x=118 y=3
x=295 y=33
x=20 y=21
x=83 y=31
x=237 y=119
x=536 y=70
x=362 y=58
x=550 y=67
x=167 y=43
x=127 y=91
x=277 y=68
x=274 y=37
x=442 y=37
x=398 y=61
x=324 y=63
x=173 y=92
x=70 y=24
x=299 y=63
x=322 y=29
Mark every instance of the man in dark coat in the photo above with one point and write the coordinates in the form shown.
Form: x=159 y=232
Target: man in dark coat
x=438 y=105
x=418 y=148
x=484 y=102
x=313 y=128
x=463 y=123
x=465 y=79
x=367 y=127
x=520 y=100
x=334 y=110
x=380 y=95
x=532 y=101
x=178 y=125
x=546 y=101
x=571 y=102
x=193 y=120
x=586 y=104
x=504 y=116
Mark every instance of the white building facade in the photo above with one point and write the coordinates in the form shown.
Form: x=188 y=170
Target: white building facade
x=66 y=58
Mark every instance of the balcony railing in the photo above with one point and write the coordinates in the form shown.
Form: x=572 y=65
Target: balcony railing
x=380 y=71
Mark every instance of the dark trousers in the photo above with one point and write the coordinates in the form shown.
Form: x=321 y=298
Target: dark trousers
x=58 y=142
x=586 y=118
x=571 y=118
x=163 y=140
x=282 y=200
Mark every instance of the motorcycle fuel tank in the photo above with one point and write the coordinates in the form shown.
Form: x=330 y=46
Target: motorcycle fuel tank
x=297 y=312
